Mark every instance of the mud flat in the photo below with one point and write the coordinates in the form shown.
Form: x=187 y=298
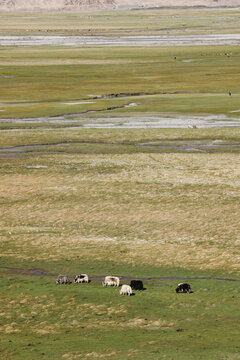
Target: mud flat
x=180 y=121
x=163 y=40
x=136 y=122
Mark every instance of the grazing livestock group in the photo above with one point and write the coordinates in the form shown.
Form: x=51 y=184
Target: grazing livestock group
x=115 y=281
x=108 y=281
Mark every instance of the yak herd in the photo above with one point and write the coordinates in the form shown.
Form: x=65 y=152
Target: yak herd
x=115 y=281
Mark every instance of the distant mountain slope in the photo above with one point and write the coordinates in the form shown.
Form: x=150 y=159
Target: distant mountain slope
x=11 y=5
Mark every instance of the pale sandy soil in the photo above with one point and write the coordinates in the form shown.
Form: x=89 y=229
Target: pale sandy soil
x=139 y=122
x=175 y=3
x=179 y=121
x=161 y=40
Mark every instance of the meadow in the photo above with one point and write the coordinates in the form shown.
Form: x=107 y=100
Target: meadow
x=76 y=82
x=114 y=23
x=137 y=203
x=121 y=210
x=40 y=320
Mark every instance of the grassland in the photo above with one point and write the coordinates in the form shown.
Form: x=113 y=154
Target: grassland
x=100 y=203
x=42 y=321
x=131 y=214
x=54 y=81
x=123 y=196
x=113 y=23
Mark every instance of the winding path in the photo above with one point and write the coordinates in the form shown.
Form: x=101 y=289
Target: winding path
x=38 y=272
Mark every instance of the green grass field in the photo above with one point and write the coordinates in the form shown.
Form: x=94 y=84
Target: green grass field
x=55 y=81
x=40 y=320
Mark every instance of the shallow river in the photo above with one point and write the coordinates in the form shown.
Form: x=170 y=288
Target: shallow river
x=137 y=122
x=161 y=40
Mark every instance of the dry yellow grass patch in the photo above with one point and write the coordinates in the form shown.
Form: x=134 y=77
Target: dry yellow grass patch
x=102 y=309
x=52 y=62
x=135 y=323
x=183 y=205
x=91 y=355
x=43 y=315
x=149 y=324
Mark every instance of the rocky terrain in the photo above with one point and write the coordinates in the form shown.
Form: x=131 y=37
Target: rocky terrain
x=48 y=5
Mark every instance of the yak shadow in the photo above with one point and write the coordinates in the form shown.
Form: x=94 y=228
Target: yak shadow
x=143 y=289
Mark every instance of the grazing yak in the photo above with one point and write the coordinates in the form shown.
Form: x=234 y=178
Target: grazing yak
x=63 y=279
x=136 y=284
x=183 y=288
x=126 y=290
x=111 y=281
x=81 y=278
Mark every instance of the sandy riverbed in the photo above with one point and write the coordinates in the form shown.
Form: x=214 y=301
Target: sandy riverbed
x=163 y=40
x=138 y=122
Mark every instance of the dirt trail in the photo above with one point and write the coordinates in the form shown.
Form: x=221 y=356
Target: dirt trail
x=38 y=272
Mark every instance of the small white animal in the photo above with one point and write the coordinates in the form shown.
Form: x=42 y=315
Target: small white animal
x=111 y=281
x=126 y=290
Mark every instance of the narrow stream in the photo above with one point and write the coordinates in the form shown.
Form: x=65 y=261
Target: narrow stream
x=184 y=146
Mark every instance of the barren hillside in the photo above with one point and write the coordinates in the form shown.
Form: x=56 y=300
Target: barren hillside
x=11 y=5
